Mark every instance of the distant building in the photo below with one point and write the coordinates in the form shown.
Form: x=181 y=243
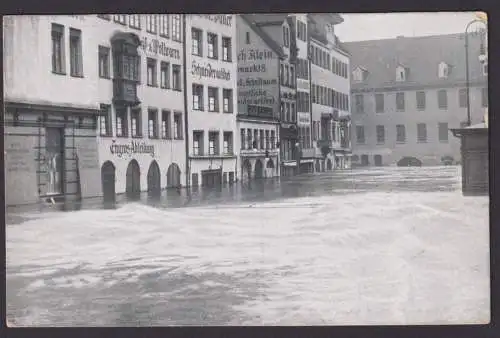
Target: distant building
x=330 y=83
x=211 y=70
x=259 y=60
x=408 y=92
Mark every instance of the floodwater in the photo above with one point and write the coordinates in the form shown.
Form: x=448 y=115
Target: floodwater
x=379 y=246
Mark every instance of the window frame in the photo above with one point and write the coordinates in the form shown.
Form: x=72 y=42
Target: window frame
x=152 y=23
x=197 y=91
x=199 y=42
x=229 y=49
x=401 y=108
x=214 y=43
x=58 y=55
x=400 y=127
x=76 y=61
x=104 y=54
x=215 y=97
x=153 y=81
x=165 y=75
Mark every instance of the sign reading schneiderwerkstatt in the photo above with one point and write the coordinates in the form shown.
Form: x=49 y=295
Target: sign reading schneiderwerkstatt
x=134 y=147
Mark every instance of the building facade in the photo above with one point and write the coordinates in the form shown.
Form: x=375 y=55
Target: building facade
x=139 y=63
x=103 y=113
x=330 y=95
x=211 y=74
x=404 y=106
x=51 y=109
x=301 y=42
x=280 y=30
x=259 y=60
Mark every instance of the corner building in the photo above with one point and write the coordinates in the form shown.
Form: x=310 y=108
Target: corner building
x=51 y=109
x=139 y=63
x=211 y=73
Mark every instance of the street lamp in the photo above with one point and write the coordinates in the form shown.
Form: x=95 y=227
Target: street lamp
x=297 y=152
x=481 y=59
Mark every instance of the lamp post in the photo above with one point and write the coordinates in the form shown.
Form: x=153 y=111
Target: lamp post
x=297 y=154
x=467 y=84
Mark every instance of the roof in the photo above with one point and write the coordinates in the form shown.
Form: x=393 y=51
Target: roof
x=263 y=35
x=421 y=55
x=267 y=18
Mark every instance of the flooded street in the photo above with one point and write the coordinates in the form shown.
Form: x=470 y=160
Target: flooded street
x=367 y=246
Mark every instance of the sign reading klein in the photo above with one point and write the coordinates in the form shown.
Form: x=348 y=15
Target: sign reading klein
x=257 y=78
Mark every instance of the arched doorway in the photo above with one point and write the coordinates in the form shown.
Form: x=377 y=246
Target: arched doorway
x=173 y=176
x=329 y=164
x=269 y=168
x=108 y=178
x=378 y=160
x=259 y=169
x=318 y=166
x=246 y=170
x=154 y=185
x=133 y=188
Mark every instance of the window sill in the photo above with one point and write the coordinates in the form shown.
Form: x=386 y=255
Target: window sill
x=178 y=139
x=152 y=85
x=443 y=141
x=164 y=36
x=198 y=55
x=151 y=32
x=421 y=141
x=137 y=136
x=122 y=136
x=107 y=135
x=105 y=77
x=120 y=23
x=228 y=61
x=59 y=73
x=400 y=142
x=198 y=109
x=214 y=111
x=166 y=138
x=214 y=58
x=176 y=39
x=400 y=110
x=228 y=112
x=77 y=76
x=136 y=28
x=166 y=88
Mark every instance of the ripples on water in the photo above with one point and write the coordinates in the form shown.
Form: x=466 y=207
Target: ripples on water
x=335 y=248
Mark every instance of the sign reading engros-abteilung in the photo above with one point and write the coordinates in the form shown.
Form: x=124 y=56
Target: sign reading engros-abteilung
x=135 y=147
x=257 y=77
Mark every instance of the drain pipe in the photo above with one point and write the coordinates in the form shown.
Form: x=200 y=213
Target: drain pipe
x=186 y=114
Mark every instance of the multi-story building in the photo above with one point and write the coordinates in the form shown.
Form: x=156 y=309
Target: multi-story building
x=102 y=112
x=259 y=60
x=405 y=102
x=330 y=85
x=139 y=62
x=279 y=28
x=211 y=73
x=300 y=31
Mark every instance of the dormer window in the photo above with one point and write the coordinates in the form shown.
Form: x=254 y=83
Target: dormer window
x=401 y=73
x=359 y=74
x=443 y=70
x=286 y=36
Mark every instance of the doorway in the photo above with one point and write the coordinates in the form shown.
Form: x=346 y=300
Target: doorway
x=211 y=178
x=108 y=182
x=154 y=185
x=378 y=160
x=133 y=188
x=54 y=153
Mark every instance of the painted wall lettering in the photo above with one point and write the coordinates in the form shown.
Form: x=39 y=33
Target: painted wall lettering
x=18 y=157
x=226 y=20
x=206 y=70
x=155 y=47
x=247 y=54
x=304 y=118
x=135 y=147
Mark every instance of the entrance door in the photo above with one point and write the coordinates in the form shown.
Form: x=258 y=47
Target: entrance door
x=108 y=182
x=378 y=160
x=133 y=187
x=211 y=178
x=54 y=153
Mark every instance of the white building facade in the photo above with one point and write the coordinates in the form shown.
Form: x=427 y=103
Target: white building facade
x=102 y=113
x=258 y=101
x=330 y=86
x=211 y=71
x=140 y=93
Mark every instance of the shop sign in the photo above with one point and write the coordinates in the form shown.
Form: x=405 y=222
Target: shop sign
x=134 y=147
x=207 y=71
x=226 y=20
x=157 y=47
